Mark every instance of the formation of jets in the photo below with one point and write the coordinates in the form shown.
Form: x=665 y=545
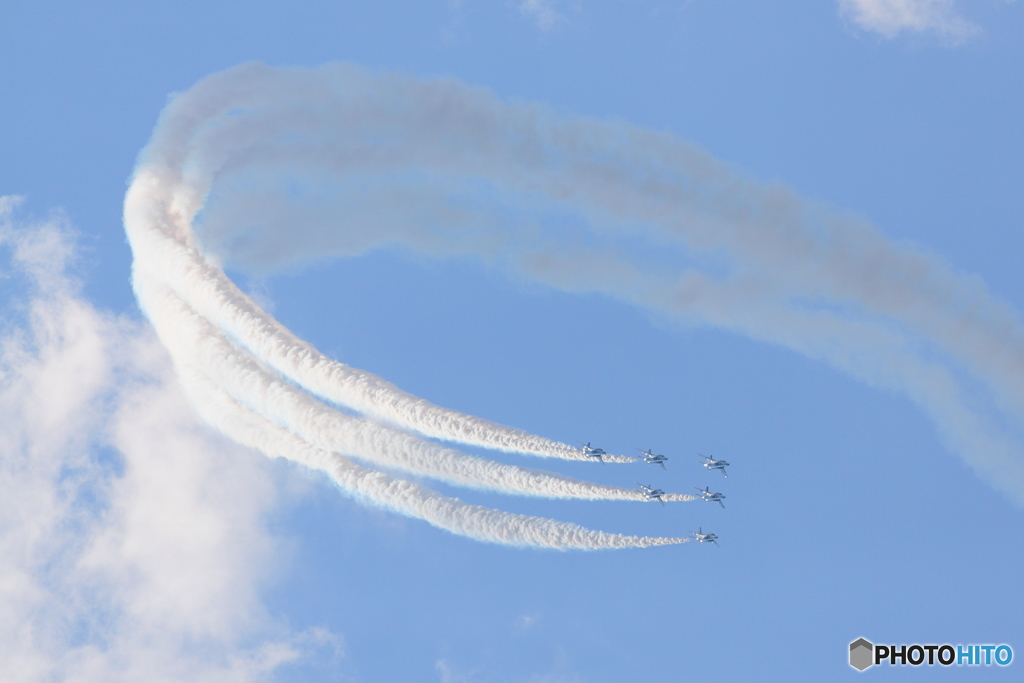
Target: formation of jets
x=651 y=493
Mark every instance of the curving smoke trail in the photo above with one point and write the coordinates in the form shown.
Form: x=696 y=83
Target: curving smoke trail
x=403 y=497
x=193 y=341
x=159 y=209
x=225 y=346
x=255 y=167
x=234 y=392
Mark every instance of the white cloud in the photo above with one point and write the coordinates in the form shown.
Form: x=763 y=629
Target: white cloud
x=133 y=540
x=446 y=674
x=525 y=622
x=543 y=12
x=449 y=673
x=892 y=17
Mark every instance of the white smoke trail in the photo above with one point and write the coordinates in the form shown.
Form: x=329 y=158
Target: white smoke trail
x=193 y=341
x=158 y=214
x=403 y=497
x=175 y=283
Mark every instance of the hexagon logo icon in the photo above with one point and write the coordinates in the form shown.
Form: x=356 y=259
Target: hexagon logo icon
x=862 y=654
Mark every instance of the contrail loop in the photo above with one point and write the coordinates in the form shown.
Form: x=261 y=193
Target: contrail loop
x=403 y=161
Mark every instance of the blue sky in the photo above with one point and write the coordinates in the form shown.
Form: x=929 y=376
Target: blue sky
x=847 y=514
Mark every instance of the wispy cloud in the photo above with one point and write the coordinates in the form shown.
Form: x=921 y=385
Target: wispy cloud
x=447 y=672
x=545 y=13
x=525 y=622
x=133 y=539
x=892 y=17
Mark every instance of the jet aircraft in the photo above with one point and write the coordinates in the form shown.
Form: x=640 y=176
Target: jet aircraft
x=651 y=459
x=713 y=464
x=709 y=497
x=652 y=493
x=702 y=537
x=592 y=451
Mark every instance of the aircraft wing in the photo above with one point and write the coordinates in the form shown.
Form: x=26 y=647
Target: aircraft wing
x=663 y=466
x=715 y=542
x=722 y=504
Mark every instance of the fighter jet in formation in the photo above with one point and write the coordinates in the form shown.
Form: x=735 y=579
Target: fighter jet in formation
x=652 y=493
x=592 y=451
x=705 y=493
x=702 y=537
x=651 y=459
x=713 y=464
